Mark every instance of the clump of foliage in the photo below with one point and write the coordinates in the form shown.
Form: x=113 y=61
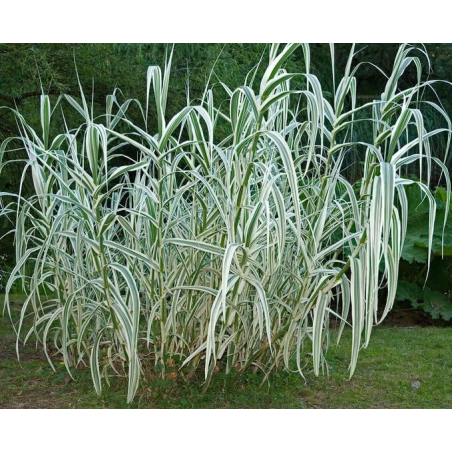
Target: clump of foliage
x=225 y=236
x=427 y=287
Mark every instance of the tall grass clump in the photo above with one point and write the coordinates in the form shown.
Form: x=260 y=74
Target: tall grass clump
x=226 y=236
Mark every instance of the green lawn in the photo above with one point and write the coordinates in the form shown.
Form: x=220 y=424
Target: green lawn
x=396 y=358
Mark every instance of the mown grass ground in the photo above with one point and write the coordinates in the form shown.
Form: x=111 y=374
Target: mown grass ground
x=397 y=360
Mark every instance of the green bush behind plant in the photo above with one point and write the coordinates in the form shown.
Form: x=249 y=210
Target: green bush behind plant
x=429 y=289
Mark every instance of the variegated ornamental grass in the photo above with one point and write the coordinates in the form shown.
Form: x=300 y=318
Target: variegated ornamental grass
x=215 y=249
